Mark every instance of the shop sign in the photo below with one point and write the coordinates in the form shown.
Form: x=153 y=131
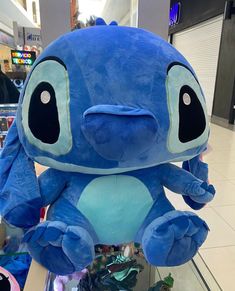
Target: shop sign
x=32 y=36
x=25 y=58
x=27 y=35
x=175 y=13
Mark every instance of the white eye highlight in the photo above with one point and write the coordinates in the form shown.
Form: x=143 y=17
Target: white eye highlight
x=186 y=99
x=45 y=97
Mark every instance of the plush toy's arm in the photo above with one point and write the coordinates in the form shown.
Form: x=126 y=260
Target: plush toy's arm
x=200 y=170
x=180 y=181
x=51 y=184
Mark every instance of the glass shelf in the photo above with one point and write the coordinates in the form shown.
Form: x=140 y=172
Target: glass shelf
x=137 y=276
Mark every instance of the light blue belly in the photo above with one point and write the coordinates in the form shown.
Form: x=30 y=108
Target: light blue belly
x=116 y=206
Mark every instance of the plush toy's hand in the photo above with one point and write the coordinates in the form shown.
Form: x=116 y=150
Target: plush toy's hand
x=200 y=192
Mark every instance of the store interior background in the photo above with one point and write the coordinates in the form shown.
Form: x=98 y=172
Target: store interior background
x=204 y=32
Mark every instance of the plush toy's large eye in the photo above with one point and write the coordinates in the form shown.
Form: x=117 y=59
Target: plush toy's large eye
x=187 y=110
x=45 y=108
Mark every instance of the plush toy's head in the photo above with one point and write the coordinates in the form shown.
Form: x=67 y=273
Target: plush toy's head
x=110 y=99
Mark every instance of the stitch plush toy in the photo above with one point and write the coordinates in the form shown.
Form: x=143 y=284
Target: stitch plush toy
x=107 y=109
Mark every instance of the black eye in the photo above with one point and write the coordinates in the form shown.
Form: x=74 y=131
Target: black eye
x=43 y=114
x=192 y=121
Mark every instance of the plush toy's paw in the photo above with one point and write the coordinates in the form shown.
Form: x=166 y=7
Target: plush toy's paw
x=200 y=192
x=60 y=248
x=174 y=238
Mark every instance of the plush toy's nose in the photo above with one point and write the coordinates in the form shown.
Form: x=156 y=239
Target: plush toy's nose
x=119 y=133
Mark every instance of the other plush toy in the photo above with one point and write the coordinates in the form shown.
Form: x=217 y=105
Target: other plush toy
x=107 y=109
x=8 y=281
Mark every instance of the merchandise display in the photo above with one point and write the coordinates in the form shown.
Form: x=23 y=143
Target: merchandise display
x=111 y=271
x=7 y=116
x=108 y=109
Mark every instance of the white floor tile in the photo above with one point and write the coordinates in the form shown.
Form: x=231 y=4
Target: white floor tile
x=185 y=278
x=221 y=262
x=227 y=213
x=232 y=181
x=220 y=234
x=206 y=273
x=226 y=169
x=225 y=193
x=214 y=175
x=219 y=156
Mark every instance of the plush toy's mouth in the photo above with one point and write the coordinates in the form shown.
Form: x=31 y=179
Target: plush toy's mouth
x=119 y=133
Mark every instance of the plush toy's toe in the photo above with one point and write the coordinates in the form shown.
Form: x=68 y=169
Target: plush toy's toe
x=60 y=248
x=174 y=238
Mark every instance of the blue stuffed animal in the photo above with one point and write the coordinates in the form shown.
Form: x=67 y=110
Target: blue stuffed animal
x=107 y=109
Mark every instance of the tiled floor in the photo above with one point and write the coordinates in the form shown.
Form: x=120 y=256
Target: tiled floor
x=218 y=251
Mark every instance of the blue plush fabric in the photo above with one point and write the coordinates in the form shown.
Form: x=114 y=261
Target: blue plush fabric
x=18 y=265
x=117 y=92
x=199 y=169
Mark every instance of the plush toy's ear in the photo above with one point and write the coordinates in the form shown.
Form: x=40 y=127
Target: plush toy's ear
x=8 y=154
x=20 y=199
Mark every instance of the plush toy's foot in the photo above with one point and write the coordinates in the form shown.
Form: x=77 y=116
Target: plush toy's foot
x=174 y=238
x=60 y=248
